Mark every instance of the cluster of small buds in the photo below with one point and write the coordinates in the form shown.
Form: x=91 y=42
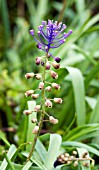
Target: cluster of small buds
x=66 y=158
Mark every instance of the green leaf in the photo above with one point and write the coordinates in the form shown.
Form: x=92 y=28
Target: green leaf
x=2 y=137
x=81 y=145
x=19 y=167
x=54 y=145
x=94 y=118
x=27 y=165
x=81 y=132
x=35 y=160
x=91 y=101
x=91 y=75
x=79 y=94
x=30 y=135
x=41 y=150
x=10 y=154
x=6 y=21
x=44 y=137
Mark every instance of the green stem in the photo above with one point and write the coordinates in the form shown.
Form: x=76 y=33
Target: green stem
x=42 y=113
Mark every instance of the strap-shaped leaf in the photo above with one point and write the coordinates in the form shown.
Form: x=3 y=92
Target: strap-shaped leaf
x=79 y=94
x=54 y=145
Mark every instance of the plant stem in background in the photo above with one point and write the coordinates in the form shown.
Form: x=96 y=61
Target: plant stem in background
x=62 y=11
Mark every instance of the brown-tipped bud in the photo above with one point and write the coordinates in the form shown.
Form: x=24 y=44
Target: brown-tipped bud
x=47 y=66
x=27 y=112
x=74 y=152
x=41 y=85
x=38 y=60
x=48 y=88
x=56 y=65
x=55 y=86
x=29 y=92
x=35 y=130
x=53 y=121
x=38 y=76
x=84 y=154
x=53 y=74
x=29 y=75
x=34 y=120
x=35 y=96
x=75 y=163
x=58 y=100
x=48 y=103
x=37 y=108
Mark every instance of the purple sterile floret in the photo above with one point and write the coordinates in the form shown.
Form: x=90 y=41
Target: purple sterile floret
x=57 y=59
x=50 y=36
x=32 y=32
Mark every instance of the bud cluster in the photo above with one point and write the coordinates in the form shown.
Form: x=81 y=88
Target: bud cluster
x=43 y=87
x=66 y=158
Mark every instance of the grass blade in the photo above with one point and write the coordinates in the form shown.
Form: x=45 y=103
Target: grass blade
x=27 y=165
x=10 y=154
x=6 y=21
x=9 y=161
x=4 y=139
x=79 y=94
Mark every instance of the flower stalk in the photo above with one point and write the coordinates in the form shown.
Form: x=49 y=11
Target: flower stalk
x=49 y=37
x=42 y=112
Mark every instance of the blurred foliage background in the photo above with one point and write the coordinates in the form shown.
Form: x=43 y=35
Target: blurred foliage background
x=79 y=74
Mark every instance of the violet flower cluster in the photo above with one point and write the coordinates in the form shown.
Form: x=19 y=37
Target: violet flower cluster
x=50 y=36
